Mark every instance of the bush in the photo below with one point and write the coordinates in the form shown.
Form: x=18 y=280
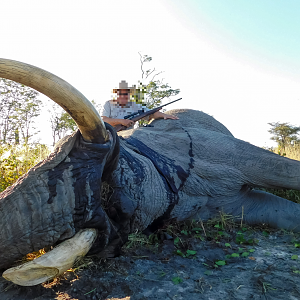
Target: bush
x=16 y=160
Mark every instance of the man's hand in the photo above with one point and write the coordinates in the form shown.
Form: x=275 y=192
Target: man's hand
x=160 y=115
x=170 y=117
x=126 y=122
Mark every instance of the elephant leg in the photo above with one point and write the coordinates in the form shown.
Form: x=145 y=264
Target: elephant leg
x=258 y=207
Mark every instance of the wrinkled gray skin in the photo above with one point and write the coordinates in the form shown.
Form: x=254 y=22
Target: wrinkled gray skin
x=221 y=171
x=189 y=168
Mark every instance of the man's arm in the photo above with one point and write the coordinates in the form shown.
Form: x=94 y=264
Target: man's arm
x=114 y=122
x=106 y=112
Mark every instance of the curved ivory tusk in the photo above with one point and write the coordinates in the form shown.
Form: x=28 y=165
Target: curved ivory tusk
x=71 y=100
x=54 y=262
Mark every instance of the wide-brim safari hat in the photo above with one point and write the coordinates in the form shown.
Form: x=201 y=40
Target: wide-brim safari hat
x=123 y=85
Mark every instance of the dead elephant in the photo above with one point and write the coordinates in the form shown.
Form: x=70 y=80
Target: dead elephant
x=189 y=168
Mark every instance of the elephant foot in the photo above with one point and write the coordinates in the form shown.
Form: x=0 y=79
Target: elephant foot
x=54 y=262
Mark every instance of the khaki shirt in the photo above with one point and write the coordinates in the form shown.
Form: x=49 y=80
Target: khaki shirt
x=111 y=109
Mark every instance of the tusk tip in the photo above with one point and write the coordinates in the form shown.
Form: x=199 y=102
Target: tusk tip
x=29 y=275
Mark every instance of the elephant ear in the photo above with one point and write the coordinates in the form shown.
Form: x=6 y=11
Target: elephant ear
x=173 y=145
x=172 y=164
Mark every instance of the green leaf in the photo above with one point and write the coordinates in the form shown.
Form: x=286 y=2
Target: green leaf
x=220 y=262
x=176 y=280
x=191 y=252
x=240 y=239
x=198 y=236
x=197 y=229
x=251 y=250
x=162 y=274
x=235 y=255
x=178 y=252
x=227 y=245
x=294 y=257
x=245 y=254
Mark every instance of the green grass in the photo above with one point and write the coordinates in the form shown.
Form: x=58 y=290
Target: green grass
x=291 y=195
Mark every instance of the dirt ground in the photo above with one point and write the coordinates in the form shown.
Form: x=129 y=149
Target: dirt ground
x=240 y=263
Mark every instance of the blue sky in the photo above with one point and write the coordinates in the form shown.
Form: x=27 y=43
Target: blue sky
x=266 y=31
x=236 y=60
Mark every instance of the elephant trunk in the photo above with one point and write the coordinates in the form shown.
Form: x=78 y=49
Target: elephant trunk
x=257 y=207
x=263 y=168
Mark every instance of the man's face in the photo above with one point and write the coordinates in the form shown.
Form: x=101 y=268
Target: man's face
x=123 y=97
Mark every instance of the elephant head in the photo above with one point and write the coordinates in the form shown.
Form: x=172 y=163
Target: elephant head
x=61 y=195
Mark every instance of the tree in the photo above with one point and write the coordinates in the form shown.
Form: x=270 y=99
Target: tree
x=151 y=90
x=284 y=134
x=7 y=109
x=26 y=112
x=62 y=123
x=19 y=107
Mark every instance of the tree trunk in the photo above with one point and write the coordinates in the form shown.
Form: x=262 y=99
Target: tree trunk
x=17 y=137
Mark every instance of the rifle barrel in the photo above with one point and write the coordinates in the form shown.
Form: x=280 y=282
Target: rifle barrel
x=137 y=117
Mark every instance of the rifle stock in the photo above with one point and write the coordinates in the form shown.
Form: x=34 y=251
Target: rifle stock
x=120 y=127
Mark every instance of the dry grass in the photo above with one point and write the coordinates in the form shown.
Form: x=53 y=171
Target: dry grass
x=33 y=255
x=291 y=151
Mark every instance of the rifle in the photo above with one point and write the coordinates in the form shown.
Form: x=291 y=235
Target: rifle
x=137 y=116
x=134 y=114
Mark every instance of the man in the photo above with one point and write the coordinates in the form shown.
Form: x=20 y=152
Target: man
x=114 y=111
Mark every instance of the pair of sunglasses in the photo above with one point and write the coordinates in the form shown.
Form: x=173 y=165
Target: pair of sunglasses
x=123 y=94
